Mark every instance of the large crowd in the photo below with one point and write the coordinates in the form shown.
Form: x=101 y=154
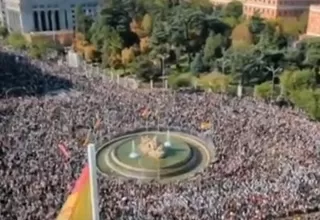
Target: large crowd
x=267 y=161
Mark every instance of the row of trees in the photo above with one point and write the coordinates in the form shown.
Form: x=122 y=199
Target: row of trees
x=38 y=48
x=196 y=44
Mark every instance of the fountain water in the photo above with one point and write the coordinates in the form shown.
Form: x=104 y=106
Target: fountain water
x=133 y=153
x=167 y=143
x=164 y=155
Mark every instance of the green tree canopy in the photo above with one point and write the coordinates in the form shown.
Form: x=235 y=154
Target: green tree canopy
x=233 y=9
x=213 y=44
x=197 y=65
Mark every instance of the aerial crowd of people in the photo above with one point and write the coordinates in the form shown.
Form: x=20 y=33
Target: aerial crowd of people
x=266 y=163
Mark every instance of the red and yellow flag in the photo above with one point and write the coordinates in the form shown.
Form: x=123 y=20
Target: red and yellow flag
x=78 y=204
x=145 y=112
x=205 y=125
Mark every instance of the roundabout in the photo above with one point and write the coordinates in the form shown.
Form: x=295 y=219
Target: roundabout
x=153 y=155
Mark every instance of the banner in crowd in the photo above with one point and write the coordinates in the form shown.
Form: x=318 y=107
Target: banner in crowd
x=78 y=205
x=145 y=112
x=205 y=125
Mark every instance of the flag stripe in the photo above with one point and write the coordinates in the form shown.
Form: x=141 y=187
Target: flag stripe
x=82 y=180
x=78 y=204
x=64 y=150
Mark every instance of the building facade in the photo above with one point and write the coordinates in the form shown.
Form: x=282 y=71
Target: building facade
x=2 y=13
x=44 y=15
x=220 y=2
x=314 y=21
x=277 y=8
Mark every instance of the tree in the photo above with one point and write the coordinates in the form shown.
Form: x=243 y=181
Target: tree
x=144 y=45
x=269 y=38
x=223 y=62
x=187 y=29
x=312 y=56
x=293 y=59
x=114 y=16
x=233 y=9
x=146 y=24
x=112 y=60
x=241 y=35
x=289 y=27
x=299 y=87
x=135 y=27
x=197 y=65
x=160 y=34
x=82 y=21
x=182 y=80
x=309 y=101
x=35 y=52
x=297 y=80
x=263 y=91
x=244 y=64
x=3 y=32
x=231 y=21
x=90 y=53
x=303 y=22
x=17 y=41
x=146 y=70
x=201 y=3
x=107 y=39
x=274 y=70
x=216 y=82
x=213 y=43
x=256 y=26
x=127 y=56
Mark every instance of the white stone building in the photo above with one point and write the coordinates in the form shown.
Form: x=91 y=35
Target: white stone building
x=43 y=15
x=2 y=13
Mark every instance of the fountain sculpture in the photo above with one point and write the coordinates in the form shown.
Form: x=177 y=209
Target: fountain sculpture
x=151 y=147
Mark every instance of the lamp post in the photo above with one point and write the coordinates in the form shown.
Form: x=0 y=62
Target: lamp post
x=162 y=61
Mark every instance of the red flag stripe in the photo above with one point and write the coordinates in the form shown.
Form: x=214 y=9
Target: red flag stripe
x=64 y=150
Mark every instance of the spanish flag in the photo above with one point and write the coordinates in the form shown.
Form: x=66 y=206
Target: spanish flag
x=205 y=125
x=145 y=112
x=78 y=205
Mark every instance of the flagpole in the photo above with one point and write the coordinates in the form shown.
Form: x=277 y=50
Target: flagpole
x=93 y=182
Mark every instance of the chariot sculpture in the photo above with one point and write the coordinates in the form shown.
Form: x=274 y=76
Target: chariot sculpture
x=151 y=147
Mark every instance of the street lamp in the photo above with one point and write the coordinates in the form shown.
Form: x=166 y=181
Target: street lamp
x=162 y=62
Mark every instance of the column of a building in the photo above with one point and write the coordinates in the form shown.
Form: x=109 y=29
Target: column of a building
x=14 y=21
x=39 y=20
x=8 y=20
x=46 y=20
x=62 y=18
x=54 y=26
x=20 y=22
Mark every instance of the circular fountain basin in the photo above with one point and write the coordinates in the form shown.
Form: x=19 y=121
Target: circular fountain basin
x=185 y=156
